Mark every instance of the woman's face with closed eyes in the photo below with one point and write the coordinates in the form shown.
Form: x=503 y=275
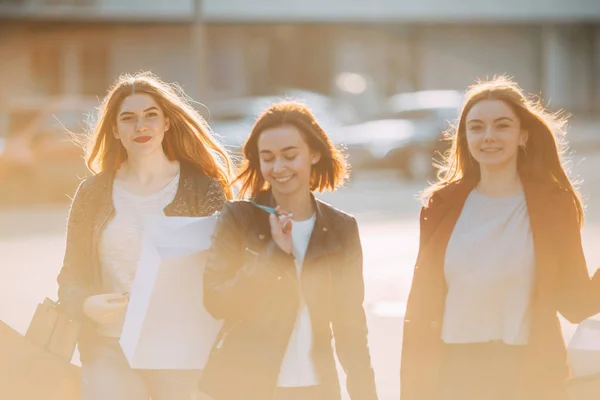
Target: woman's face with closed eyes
x=494 y=134
x=286 y=160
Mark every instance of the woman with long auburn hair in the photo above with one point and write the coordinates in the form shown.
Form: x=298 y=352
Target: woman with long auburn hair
x=499 y=256
x=284 y=273
x=151 y=154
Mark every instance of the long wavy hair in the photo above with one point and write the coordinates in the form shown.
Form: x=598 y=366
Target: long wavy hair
x=189 y=139
x=543 y=157
x=329 y=173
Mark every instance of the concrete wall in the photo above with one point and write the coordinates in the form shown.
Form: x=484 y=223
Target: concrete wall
x=170 y=52
x=454 y=58
x=167 y=51
x=568 y=67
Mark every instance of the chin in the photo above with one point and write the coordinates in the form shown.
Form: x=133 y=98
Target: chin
x=285 y=190
x=497 y=163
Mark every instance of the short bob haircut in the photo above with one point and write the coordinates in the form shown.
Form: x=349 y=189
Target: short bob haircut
x=329 y=173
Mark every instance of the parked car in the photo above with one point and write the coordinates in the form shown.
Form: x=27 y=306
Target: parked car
x=40 y=160
x=406 y=135
x=432 y=112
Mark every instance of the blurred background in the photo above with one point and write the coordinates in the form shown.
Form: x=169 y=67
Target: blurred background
x=384 y=77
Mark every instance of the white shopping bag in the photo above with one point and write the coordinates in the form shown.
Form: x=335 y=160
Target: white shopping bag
x=166 y=325
x=584 y=349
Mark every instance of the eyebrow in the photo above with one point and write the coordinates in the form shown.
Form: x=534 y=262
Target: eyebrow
x=496 y=120
x=283 y=150
x=132 y=113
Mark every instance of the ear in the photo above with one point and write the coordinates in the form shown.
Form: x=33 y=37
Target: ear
x=523 y=138
x=315 y=157
x=116 y=133
x=167 y=123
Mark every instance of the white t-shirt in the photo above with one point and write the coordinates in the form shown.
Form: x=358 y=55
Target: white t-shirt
x=489 y=269
x=120 y=242
x=297 y=368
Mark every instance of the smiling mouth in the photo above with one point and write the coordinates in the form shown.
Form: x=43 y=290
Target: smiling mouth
x=491 y=150
x=283 y=180
x=142 y=139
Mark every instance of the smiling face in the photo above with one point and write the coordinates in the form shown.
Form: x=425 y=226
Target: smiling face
x=494 y=134
x=141 y=125
x=286 y=160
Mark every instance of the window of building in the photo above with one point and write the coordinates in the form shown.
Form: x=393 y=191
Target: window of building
x=47 y=70
x=94 y=70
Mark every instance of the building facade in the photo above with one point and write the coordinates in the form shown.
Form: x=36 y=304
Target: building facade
x=231 y=48
x=78 y=48
x=551 y=47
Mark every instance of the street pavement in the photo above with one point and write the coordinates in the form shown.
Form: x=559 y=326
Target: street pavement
x=32 y=246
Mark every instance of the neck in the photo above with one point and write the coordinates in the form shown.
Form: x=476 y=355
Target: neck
x=300 y=205
x=500 y=182
x=146 y=169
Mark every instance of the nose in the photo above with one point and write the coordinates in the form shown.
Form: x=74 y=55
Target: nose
x=489 y=133
x=278 y=165
x=139 y=125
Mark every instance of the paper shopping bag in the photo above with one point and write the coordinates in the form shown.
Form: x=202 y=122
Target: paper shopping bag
x=29 y=372
x=166 y=325
x=584 y=349
x=53 y=330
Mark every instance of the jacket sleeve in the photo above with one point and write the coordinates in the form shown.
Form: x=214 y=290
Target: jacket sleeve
x=578 y=297
x=234 y=275
x=349 y=321
x=73 y=279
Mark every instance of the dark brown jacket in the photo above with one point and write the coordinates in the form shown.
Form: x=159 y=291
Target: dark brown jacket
x=91 y=209
x=252 y=285
x=562 y=284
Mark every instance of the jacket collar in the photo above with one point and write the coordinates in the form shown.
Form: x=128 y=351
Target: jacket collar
x=535 y=190
x=185 y=189
x=324 y=239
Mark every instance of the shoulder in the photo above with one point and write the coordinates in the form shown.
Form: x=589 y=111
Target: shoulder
x=196 y=181
x=549 y=192
x=194 y=178
x=445 y=192
x=240 y=211
x=338 y=219
x=93 y=185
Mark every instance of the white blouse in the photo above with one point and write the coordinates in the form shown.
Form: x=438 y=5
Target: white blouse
x=489 y=270
x=121 y=240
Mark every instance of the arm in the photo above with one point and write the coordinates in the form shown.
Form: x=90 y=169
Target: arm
x=349 y=321
x=73 y=284
x=579 y=296
x=234 y=276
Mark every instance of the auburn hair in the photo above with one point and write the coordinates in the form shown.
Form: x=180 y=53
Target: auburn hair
x=329 y=173
x=188 y=140
x=544 y=155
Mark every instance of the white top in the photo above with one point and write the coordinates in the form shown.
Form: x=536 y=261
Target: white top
x=489 y=269
x=120 y=242
x=297 y=369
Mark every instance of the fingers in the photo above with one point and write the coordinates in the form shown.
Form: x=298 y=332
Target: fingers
x=281 y=225
x=115 y=297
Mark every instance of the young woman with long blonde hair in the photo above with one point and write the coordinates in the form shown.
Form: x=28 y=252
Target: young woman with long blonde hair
x=500 y=255
x=151 y=153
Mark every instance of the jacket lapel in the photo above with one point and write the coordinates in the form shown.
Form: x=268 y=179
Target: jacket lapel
x=323 y=240
x=538 y=196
